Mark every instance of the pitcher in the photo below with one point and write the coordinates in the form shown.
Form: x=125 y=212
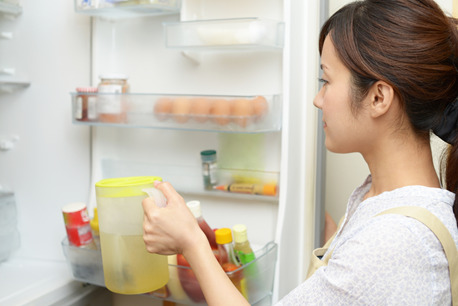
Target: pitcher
x=127 y=265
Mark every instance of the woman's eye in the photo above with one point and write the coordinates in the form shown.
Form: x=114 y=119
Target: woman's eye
x=323 y=81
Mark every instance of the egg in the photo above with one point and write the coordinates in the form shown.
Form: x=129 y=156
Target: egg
x=260 y=107
x=181 y=108
x=242 y=110
x=221 y=111
x=162 y=108
x=200 y=108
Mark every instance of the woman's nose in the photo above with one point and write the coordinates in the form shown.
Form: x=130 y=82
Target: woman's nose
x=318 y=99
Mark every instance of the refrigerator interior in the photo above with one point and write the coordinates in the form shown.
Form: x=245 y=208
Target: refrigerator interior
x=55 y=162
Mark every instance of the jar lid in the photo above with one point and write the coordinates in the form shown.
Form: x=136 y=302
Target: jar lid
x=113 y=76
x=208 y=155
x=86 y=89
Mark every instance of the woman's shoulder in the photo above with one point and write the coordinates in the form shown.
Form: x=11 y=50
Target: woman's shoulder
x=437 y=201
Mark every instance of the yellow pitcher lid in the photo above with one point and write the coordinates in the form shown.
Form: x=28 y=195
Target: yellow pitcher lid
x=125 y=186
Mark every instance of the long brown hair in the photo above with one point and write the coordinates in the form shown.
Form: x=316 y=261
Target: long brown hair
x=413 y=46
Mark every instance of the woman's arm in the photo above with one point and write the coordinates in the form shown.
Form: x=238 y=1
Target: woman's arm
x=173 y=229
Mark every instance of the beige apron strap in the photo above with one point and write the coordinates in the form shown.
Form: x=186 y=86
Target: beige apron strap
x=437 y=227
x=316 y=260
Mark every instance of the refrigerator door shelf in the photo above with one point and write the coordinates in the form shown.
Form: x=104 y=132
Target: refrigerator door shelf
x=10 y=86
x=237 y=114
x=256 y=278
x=10 y=9
x=115 y=9
x=225 y=34
x=188 y=180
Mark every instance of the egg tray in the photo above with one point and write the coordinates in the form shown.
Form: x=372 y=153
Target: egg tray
x=254 y=279
x=212 y=113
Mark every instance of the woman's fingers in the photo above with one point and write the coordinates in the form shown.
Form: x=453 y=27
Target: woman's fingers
x=173 y=197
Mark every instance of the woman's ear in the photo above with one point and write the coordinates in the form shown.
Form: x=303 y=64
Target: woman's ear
x=381 y=97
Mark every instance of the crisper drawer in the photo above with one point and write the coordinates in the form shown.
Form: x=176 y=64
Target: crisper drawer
x=255 y=279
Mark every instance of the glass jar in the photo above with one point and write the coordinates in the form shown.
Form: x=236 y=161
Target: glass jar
x=209 y=168
x=86 y=102
x=112 y=104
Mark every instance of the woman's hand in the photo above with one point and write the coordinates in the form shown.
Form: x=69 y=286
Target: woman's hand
x=171 y=229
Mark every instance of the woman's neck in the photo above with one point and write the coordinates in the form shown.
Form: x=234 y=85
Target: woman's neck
x=397 y=163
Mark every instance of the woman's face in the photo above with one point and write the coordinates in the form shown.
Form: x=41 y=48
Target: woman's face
x=344 y=129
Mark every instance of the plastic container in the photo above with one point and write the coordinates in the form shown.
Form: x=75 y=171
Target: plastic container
x=266 y=257
x=128 y=267
x=112 y=105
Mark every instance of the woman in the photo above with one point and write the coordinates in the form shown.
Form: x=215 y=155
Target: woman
x=389 y=78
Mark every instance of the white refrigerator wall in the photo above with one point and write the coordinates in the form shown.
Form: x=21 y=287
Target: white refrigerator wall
x=48 y=166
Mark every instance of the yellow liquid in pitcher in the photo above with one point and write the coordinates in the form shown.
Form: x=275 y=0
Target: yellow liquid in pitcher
x=129 y=268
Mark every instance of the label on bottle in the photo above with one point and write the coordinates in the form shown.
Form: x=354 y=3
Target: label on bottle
x=245 y=257
x=109 y=104
x=91 y=108
x=212 y=173
x=79 y=108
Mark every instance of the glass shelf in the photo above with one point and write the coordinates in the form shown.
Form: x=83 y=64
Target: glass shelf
x=182 y=287
x=10 y=9
x=114 y=9
x=238 y=114
x=222 y=34
x=188 y=180
x=11 y=86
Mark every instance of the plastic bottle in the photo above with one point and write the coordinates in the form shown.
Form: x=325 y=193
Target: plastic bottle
x=242 y=246
x=246 y=255
x=224 y=240
x=187 y=278
x=231 y=264
x=196 y=210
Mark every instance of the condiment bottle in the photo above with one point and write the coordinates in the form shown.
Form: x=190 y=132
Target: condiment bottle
x=231 y=264
x=224 y=240
x=250 y=282
x=209 y=167
x=86 y=103
x=242 y=246
x=112 y=104
x=195 y=208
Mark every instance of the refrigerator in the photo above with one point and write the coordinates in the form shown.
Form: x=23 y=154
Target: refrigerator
x=215 y=49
